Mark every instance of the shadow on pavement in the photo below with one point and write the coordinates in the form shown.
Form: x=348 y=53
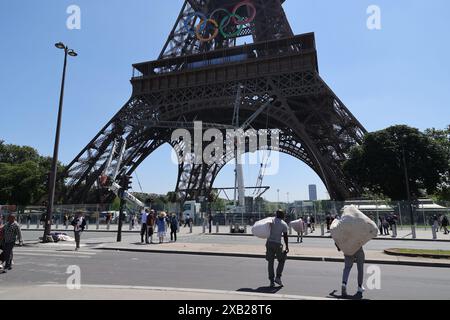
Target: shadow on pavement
x=267 y=290
x=357 y=296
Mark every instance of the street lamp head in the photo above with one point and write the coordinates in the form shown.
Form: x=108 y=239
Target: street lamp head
x=60 y=45
x=72 y=53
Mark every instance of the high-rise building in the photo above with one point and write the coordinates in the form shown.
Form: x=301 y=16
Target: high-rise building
x=312 y=192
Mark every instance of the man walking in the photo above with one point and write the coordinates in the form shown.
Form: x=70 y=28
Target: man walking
x=445 y=224
x=187 y=221
x=79 y=224
x=274 y=247
x=11 y=232
x=144 y=231
x=359 y=257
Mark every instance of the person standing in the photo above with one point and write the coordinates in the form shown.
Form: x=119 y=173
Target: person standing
x=161 y=223
x=328 y=221
x=174 y=225
x=210 y=221
x=436 y=223
x=79 y=224
x=150 y=225
x=144 y=231
x=313 y=224
x=359 y=257
x=11 y=233
x=187 y=221
x=380 y=225
x=274 y=248
x=385 y=226
x=445 y=224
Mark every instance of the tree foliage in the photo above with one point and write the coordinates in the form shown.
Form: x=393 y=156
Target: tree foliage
x=23 y=175
x=378 y=164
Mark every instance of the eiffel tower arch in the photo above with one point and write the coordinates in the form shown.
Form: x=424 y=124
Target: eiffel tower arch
x=196 y=77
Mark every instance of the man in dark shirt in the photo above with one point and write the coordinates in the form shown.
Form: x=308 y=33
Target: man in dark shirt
x=274 y=247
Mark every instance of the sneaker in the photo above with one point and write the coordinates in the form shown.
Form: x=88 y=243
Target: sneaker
x=272 y=284
x=361 y=290
x=279 y=282
x=344 y=291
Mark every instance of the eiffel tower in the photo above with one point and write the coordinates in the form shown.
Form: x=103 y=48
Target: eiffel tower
x=196 y=77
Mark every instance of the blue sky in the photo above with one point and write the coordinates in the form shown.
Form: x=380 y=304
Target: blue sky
x=397 y=75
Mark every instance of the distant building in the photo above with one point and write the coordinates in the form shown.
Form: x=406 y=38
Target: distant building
x=312 y=192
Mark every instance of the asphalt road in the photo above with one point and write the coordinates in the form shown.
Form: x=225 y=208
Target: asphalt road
x=318 y=279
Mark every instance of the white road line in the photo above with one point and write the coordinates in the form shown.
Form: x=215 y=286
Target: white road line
x=50 y=255
x=55 y=251
x=201 y=291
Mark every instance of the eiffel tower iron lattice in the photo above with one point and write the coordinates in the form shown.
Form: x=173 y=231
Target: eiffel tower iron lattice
x=196 y=78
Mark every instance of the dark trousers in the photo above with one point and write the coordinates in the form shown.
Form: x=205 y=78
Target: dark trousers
x=8 y=253
x=275 y=251
x=144 y=232
x=77 y=238
x=173 y=234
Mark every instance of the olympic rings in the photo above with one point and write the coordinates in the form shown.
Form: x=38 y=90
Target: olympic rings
x=230 y=17
x=249 y=19
x=239 y=26
x=216 y=31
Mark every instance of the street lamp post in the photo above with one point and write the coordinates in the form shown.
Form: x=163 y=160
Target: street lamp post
x=408 y=196
x=278 y=202
x=53 y=172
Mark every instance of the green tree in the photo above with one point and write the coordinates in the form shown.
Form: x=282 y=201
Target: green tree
x=442 y=137
x=24 y=175
x=377 y=164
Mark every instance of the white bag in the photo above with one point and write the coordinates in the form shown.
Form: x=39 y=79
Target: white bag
x=297 y=225
x=353 y=230
x=261 y=229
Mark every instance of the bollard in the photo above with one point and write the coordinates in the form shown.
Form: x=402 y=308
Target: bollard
x=67 y=224
x=204 y=228
x=190 y=228
x=56 y=224
x=28 y=224
x=98 y=223
x=87 y=224
x=217 y=227
x=433 y=230
x=322 y=229
x=306 y=229
x=38 y=223
x=108 y=226
x=290 y=230
x=413 y=231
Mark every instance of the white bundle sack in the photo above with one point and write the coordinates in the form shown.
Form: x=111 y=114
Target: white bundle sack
x=297 y=225
x=261 y=229
x=353 y=231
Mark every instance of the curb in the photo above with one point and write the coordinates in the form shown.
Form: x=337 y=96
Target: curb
x=295 y=258
x=325 y=237
x=392 y=252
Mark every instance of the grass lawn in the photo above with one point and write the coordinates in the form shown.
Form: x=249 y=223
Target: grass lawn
x=421 y=251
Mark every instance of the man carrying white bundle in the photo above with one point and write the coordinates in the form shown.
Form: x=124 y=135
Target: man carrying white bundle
x=350 y=234
x=274 y=248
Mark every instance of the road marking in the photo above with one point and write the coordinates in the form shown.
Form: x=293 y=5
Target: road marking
x=201 y=291
x=50 y=255
x=55 y=251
